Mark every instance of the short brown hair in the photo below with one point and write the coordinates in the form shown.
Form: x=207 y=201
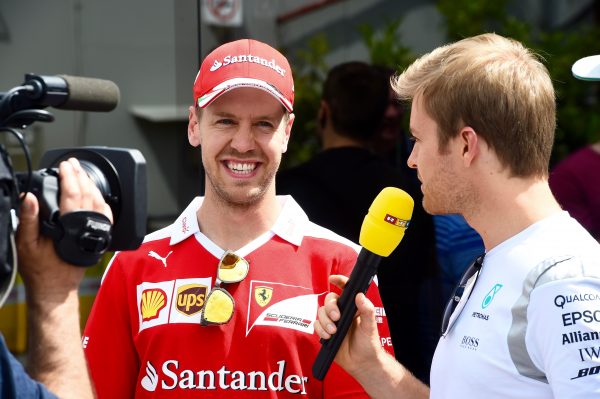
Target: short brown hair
x=357 y=95
x=494 y=85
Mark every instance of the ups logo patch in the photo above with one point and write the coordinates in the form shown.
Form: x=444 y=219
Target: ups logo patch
x=191 y=298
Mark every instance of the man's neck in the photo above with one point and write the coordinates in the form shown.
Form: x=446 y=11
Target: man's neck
x=507 y=209
x=332 y=139
x=232 y=227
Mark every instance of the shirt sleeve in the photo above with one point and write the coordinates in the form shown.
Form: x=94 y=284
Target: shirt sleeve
x=563 y=335
x=14 y=381
x=108 y=342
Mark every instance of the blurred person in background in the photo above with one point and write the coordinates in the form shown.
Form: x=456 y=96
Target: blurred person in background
x=337 y=186
x=575 y=181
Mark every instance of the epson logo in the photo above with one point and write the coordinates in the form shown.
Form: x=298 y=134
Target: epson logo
x=587 y=316
x=469 y=342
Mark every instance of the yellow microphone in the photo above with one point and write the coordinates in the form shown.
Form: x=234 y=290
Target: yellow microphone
x=384 y=226
x=381 y=232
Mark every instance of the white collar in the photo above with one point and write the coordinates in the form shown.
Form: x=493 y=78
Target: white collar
x=290 y=224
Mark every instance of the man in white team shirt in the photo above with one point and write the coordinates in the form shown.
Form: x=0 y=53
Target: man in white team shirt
x=527 y=324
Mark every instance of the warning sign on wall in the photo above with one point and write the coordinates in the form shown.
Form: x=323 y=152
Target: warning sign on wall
x=222 y=12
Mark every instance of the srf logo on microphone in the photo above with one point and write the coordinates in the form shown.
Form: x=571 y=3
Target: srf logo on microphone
x=396 y=221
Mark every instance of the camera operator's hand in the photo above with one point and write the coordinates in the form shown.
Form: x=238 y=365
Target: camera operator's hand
x=39 y=265
x=56 y=356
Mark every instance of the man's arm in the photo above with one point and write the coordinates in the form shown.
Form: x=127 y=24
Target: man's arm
x=361 y=354
x=55 y=353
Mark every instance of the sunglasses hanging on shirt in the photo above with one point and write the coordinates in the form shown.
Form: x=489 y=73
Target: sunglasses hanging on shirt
x=219 y=306
x=471 y=274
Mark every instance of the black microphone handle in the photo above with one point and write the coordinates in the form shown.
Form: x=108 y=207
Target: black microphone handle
x=359 y=281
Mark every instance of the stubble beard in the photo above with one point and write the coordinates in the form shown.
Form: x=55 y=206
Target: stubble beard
x=253 y=196
x=448 y=194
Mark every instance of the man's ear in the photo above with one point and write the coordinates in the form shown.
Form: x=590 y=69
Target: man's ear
x=323 y=114
x=470 y=142
x=288 y=132
x=193 y=127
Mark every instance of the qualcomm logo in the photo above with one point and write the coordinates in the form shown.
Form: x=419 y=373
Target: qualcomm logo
x=490 y=296
x=150 y=380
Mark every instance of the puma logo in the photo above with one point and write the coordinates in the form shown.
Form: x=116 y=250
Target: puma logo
x=154 y=255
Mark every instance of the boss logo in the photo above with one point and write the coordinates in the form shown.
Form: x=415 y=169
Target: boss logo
x=469 y=342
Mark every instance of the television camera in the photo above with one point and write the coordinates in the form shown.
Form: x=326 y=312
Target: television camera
x=79 y=237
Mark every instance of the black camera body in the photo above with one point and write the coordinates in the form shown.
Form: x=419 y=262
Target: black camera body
x=120 y=175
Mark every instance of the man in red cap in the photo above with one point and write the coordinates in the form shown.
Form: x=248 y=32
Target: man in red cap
x=222 y=302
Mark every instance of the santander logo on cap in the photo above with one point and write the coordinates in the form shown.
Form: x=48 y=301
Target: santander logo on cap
x=244 y=63
x=232 y=59
x=216 y=66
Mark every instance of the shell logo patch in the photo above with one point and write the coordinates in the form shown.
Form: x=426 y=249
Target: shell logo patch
x=153 y=301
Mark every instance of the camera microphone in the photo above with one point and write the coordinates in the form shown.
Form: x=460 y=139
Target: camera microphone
x=89 y=94
x=60 y=91
x=382 y=229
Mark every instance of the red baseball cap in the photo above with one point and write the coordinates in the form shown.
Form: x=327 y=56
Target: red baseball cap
x=244 y=63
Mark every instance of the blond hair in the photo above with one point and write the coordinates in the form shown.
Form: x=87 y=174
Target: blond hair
x=497 y=87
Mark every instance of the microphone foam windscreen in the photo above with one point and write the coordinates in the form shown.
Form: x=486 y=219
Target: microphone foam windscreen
x=387 y=219
x=90 y=94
